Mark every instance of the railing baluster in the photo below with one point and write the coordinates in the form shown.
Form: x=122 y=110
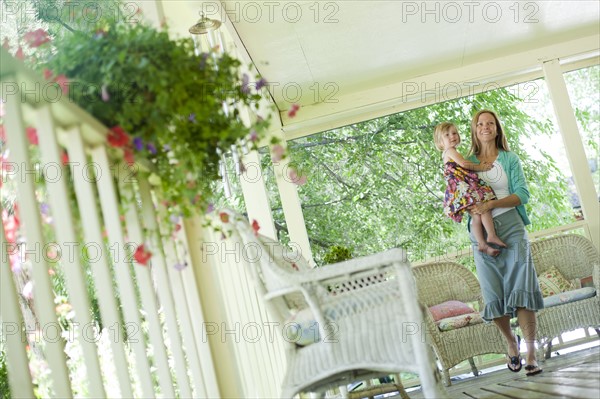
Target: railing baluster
x=164 y=290
x=92 y=231
x=182 y=309
x=65 y=233
x=30 y=213
x=197 y=314
x=147 y=292
x=19 y=377
x=110 y=211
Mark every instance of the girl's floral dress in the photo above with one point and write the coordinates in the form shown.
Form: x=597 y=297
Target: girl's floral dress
x=463 y=189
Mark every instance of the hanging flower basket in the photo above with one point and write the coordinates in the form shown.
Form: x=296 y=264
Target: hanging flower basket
x=161 y=102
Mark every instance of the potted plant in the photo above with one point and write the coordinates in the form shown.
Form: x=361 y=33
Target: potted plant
x=162 y=103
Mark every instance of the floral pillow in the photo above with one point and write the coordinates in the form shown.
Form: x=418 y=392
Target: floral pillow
x=452 y=323
x=449 y=309
x=552 y=282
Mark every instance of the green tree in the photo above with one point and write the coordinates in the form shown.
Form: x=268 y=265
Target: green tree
x=379 y=184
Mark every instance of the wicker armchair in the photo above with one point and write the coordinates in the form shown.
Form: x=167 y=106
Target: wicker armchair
x=439 y=282
x=575 y=257
x=368 y=317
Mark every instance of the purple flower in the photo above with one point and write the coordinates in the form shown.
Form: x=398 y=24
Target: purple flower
x=180 y=266
x=192 y=118
x=253 y=136
x=138 y=143
x=245 y=84
x=151 y=148
x=174 y=219
x=203 y=58
x=261 y=83
x=210 y=208
x=45 y=209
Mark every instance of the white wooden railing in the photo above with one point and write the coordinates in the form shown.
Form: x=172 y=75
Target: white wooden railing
x=151 y=313
x=170 y=345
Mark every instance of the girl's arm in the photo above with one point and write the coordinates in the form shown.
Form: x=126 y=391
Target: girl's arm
x=459 y=159
x=511 y=201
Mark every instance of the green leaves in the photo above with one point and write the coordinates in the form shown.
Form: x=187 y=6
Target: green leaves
x=158 y=90
x=379 y=184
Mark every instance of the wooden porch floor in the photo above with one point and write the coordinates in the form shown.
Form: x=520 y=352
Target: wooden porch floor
x=572 y=375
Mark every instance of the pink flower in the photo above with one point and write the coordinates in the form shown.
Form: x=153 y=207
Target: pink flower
x=2 y=133
x=142 y=256
x=128 y=156
x=277 y=152
x=299 y=180
x=293 y=110
x=255 y=227
x=32 y=136
x=117 y=137
x=36 y=38
x=105 y=96
x=19 y=54
x=48 y=74
x=63 y=82
x=224 y=217
x=64 y=157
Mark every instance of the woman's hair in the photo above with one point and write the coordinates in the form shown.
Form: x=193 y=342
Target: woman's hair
x=440 y=130
x=501 y=142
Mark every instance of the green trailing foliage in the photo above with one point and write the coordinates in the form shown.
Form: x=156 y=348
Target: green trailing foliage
x=337 y=253
x=179 y=110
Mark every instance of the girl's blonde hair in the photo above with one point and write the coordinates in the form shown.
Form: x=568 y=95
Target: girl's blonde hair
x=440 y=130
x=501 y=142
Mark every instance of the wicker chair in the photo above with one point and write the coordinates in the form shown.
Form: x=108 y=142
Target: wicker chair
x=575 y=257
x=369 y=304
x=439 y=282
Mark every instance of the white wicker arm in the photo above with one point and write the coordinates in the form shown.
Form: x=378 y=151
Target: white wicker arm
x=596 y=277
x=351 y=267
x=312 y=283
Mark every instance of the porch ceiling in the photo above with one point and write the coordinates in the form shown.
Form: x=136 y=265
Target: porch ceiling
x=324 y=54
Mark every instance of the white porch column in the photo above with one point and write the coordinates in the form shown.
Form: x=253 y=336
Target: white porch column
x=292 y=209
x=574 y=147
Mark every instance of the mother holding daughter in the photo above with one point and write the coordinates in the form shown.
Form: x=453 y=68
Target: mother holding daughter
x=508 y=281
x=503 y=259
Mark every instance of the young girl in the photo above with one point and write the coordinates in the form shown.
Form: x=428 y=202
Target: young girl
x=464 y=188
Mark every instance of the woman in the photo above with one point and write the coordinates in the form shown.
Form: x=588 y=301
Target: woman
x=508 y=282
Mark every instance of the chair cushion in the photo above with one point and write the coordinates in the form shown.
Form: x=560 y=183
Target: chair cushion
x=449 y=309
x=569 y=296
x=583 y=282
x=452 y=323
x=301 y=328
x=552 y=282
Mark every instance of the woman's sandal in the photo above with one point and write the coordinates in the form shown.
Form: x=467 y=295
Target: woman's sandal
x=532 y=369
x=515 y=361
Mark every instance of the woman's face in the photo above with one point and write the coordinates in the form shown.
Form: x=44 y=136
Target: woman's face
x=486 y=128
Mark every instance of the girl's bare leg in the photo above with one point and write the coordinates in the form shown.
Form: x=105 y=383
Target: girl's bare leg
x=477 y=227
x=488 y=223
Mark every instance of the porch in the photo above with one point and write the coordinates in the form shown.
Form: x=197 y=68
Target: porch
x=199 y=323
x=571 y=375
